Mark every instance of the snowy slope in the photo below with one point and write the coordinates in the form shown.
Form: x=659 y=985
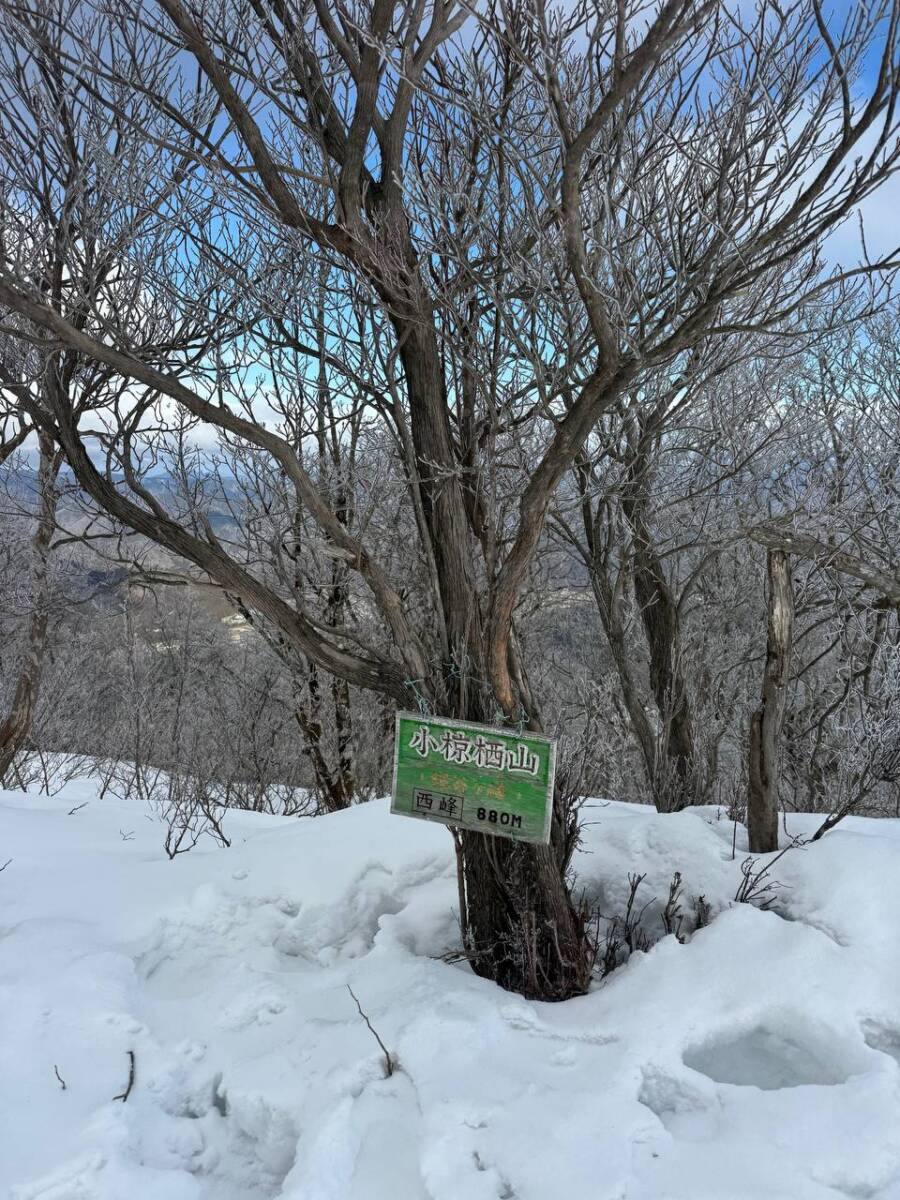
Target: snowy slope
x=760 y=1060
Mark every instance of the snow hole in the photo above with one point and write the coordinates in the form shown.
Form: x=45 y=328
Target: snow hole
x=770 y=1057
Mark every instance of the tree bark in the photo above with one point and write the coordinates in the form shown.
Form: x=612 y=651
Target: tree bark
x=16 y=726
x=675 y=774
x=608 y=595
x=766 y=723
x=521 y=929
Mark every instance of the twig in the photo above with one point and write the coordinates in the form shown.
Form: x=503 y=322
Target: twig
x=74 y=810
x=672 y=916
x=62 y=1082
x=123 y=1096
x=6 y=864
x=702 y=912
x=388 y=1063
x=756 y=887
x=834 y=818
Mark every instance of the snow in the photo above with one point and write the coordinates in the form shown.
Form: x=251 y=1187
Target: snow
x=759 y=1060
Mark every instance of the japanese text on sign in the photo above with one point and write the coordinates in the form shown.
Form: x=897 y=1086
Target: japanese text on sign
x=489 y=780
x=458 y=747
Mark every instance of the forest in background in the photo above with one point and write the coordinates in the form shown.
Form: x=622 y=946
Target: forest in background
x=147 y=666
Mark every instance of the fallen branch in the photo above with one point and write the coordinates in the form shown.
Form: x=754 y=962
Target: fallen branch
x=123 y=1096
x=62 y=1082
x=791 y=541
x=388 y=1062
x=6 y=864
x=74 y=810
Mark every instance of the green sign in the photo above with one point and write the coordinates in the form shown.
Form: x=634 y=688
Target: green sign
x=490 y=780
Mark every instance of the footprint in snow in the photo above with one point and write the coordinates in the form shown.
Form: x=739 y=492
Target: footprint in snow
x=783 y=1051
x=258 y=1007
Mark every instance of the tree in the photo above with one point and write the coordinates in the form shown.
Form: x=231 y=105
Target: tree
x=651 y=516
x=16 y=724
x=833 y=516
x=520 y=226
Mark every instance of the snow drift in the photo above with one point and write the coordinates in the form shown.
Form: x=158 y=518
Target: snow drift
x=760 y=1060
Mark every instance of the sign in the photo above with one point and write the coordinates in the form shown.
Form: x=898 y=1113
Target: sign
x=488 y=780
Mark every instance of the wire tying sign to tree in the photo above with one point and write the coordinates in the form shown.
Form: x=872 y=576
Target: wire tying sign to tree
x=490 y=780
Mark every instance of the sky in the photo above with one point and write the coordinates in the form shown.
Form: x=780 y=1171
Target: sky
x=880 y=211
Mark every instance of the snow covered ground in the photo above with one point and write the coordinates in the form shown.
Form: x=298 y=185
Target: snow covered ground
x=759 y=1060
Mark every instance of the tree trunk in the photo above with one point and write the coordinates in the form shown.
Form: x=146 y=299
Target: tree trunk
x=328 y=782
x=677 y=781
x=766 y=723
x=521 y=928
x=675 y=770
x=609 y=604
x=16 y=727
x=344 y=773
